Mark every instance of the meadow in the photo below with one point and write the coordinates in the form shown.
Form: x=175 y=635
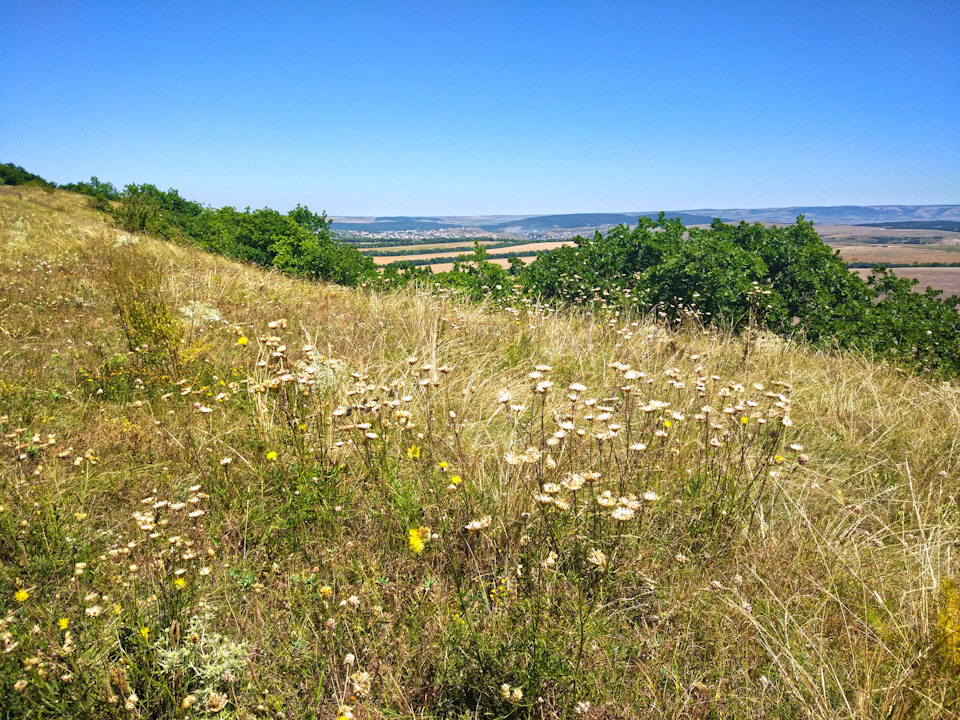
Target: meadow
x=230 y=492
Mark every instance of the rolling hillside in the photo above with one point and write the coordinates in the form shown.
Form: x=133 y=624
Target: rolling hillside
x=229 y=492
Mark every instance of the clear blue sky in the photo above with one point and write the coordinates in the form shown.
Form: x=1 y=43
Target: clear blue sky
x=407 y=107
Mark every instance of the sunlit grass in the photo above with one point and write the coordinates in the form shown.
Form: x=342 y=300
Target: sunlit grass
x=345 y=503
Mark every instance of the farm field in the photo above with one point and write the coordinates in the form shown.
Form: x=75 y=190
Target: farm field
x=855 y=243
x=526 y=247
x=922 y=254
x=859 y=234
x=945 y=279
x=457 y=246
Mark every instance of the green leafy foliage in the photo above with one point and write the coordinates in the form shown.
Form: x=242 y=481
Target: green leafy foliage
x=477 y=276
x=782 y=278
x=11 y=174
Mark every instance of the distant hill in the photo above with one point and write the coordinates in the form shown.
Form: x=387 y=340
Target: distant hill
x=497 y=224
x=589 y=220
x=876 y=215
x=951 y=225
x=841 y=214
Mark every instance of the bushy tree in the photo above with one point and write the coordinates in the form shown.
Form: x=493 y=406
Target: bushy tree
x=477 y=276
x=785 y=278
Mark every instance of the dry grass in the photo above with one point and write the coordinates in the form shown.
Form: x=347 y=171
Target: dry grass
x=756 y=581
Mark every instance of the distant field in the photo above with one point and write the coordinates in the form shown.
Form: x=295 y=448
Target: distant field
x=447 y=251
x=432 y=248
x=852 y=234
x=922 y=254
x=946 y=279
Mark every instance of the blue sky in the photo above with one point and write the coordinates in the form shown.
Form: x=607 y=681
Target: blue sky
x=449 y=108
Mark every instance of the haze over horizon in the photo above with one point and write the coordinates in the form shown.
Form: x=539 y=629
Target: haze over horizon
x=520 y=108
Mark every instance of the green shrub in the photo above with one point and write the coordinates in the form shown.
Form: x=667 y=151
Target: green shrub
x=135 y=285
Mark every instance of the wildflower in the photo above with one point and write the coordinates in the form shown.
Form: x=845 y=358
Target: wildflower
x=272 y=455
x=242 y=340
x=180 y=583
x=360 y=682
x=573 y=482
x=20 y=685
x=215 y=703
x=413 y=452
x=606 y=500
x=417 y=539
x=622 y=514
x=21 y=596
x=63 y=623
x=443 y=465
x=650 y=496
x=145 y=633
x=480 y=524
x=226 y=461
x=598 y=558
x=455 y=480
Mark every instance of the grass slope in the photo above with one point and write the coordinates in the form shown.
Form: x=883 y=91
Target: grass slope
x=244 y=495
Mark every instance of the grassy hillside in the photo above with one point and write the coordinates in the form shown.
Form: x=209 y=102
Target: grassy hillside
x=229 y=492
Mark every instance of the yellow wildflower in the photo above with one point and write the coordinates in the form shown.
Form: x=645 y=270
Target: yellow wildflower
x=145 y=633
x=63 y=623
x=417 y=537
x=455 y=480
x=21 y=596
x=242 y=340
x=272 y=455
x=413 y=452
x=180 y=583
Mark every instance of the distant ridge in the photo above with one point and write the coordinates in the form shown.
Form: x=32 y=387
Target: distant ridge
x=496 y=224
x=587 y=222
x=840 y=214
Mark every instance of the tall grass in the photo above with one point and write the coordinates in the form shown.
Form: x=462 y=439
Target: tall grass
x=340 y=503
